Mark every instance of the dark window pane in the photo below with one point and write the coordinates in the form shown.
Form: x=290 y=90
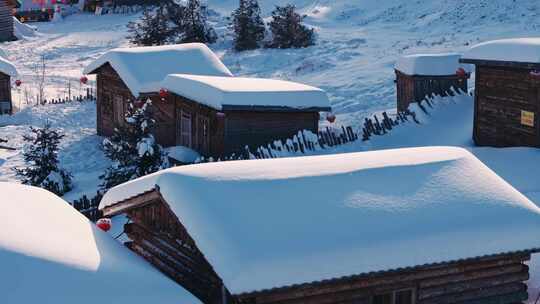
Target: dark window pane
x=383 y=299
x=404 y=297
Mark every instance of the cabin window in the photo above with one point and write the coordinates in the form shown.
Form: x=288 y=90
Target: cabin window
x=203 y=136
x=184 y=128
x=405 y=296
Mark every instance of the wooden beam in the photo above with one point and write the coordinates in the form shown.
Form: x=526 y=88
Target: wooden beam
x=137 y=201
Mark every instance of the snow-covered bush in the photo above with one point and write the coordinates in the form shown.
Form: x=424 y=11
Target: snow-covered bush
x=287 y=29
x=41 y=157
x=247 y=25
x=132 y=148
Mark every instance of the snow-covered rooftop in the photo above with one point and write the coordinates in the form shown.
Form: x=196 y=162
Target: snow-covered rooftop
x=429 y=64
x=50 y=253
x=311 y=218
x=7 y=67
x=516 y=50
x=144 y=68
x=217 y=92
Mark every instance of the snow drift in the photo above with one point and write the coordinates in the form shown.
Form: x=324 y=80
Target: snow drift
x=50 y=253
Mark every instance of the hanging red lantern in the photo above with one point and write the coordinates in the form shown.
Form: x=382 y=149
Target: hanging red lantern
x=104 y=224
x=163 y=93
x=461 y=73
x=84 y=80
x=331 y=118
x=18 y=82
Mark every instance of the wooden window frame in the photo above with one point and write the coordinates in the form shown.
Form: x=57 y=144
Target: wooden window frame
x=183 y=134
x=394 y=292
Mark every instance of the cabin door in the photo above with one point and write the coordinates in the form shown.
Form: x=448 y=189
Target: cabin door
x=118 y=110
x=183 y=129
x=203 y=136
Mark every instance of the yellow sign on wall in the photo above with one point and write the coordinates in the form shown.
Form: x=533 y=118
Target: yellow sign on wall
x=527 y=118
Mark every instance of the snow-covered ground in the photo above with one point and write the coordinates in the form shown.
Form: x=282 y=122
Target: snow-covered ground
x=358 y=43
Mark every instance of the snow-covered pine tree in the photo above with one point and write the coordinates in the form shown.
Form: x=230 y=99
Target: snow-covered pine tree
x=152 y=29
x=41 y=157
x=191 y=24
x=248 y=26
x=132 y=148
x=287 y=29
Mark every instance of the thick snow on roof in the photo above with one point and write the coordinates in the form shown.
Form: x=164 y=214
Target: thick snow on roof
x=7 y=67
x=216 y=92
x=518 y=50
x=429 y=64
x=143 y=68
x=182 y=154
x=50 y=253
x=311 y=218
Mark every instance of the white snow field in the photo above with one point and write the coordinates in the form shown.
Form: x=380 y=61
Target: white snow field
x=368 y=211
x=50 y=253
x=353 y=61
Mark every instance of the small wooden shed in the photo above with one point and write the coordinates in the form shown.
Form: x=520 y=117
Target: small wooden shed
x=204 y=107
x=7 y=71
x=507 y=92
x=322 y=229
x=421 y=75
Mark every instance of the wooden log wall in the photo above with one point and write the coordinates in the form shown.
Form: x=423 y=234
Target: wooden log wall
x=6 y=21
x=157 y=235
x=415 y=88
x=5 y=94
x=496 y=279
x=502 y=93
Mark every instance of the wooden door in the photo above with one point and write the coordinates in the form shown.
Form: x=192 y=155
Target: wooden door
x=118 y=110
x=203 y=134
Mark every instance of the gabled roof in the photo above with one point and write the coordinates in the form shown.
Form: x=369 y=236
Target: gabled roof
x=519 y=52
x=50 y=253
x=230 y=93
x=143 y=68
x=306 y=219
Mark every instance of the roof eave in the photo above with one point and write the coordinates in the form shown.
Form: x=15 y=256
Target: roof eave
x=500 y=63
x=274 y=108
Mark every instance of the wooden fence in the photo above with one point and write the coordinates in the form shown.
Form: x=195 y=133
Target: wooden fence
x=89 y=207
x=89 y=96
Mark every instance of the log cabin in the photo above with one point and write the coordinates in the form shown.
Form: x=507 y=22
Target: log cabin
x=384 y=227
x=198 y=104
x=7 y=30
x=507 y=92
x=423 y=75
x=7 y=71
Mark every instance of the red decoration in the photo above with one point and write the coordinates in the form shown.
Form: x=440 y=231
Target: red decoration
x=461 y=72
x=84 y=80
x=104 y=224
x=163 y=93
x=18 y=82
x=331 y=118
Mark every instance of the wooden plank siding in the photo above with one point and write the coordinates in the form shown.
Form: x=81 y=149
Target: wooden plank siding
x=502 y=93
x=415 y=88
x=6 y=21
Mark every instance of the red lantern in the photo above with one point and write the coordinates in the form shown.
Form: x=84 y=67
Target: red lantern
x=18 y=82
x=163 y=93
x=84 y=80
x=461 y=73
x=104 y=224
x=331 y=118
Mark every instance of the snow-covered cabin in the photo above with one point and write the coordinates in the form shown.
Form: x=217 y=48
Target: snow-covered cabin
x=198 y=103
x=417 y=225
x=421 y=75
x=507 y=92
x=7 y=70
x=50 y=253
x=6 y=20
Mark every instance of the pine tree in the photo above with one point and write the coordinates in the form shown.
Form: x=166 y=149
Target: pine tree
x=288 y=30
x=248 y=26
x=191 y=23
x=132 y=148
x=41 y=157
x=152 y=29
